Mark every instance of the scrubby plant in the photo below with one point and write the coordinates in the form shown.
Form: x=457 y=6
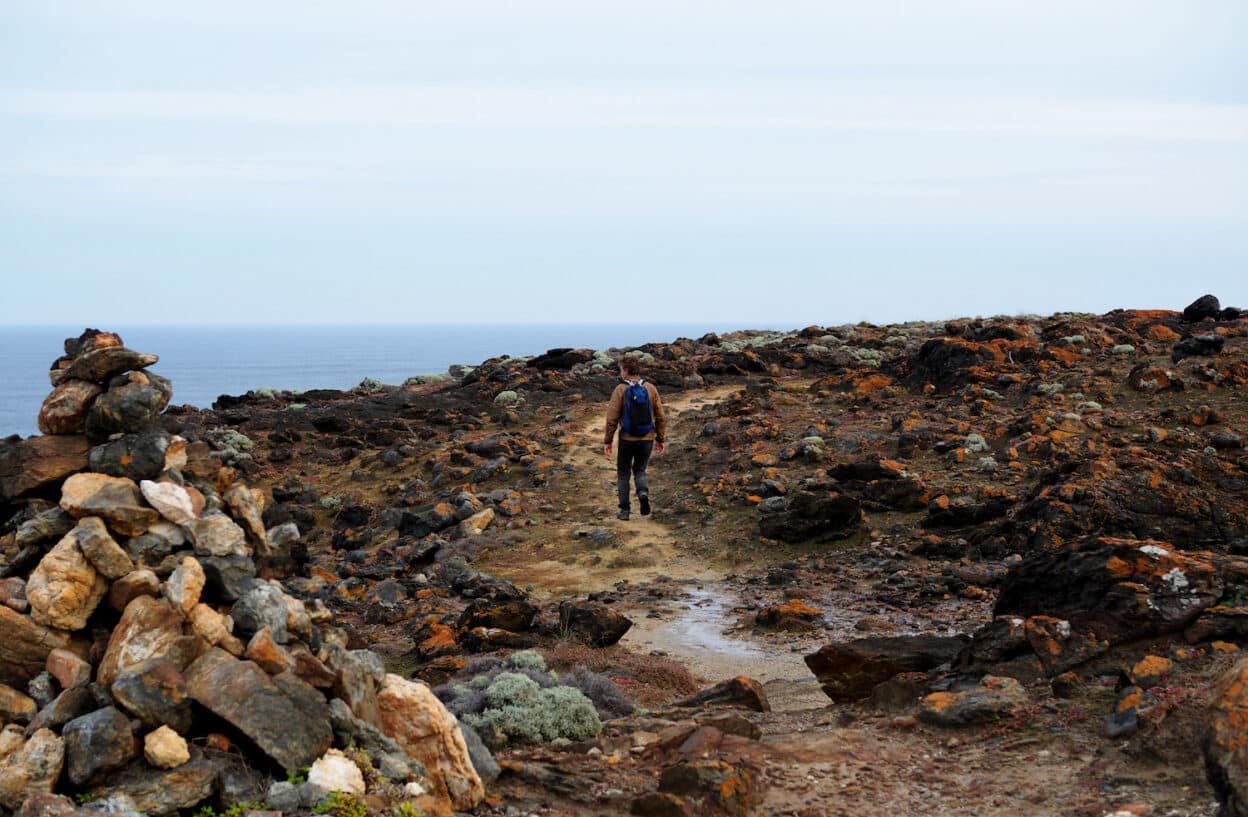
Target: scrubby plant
x=342 y=804
x=527 y=659
x=331 y=503
x=510 y=687
x=518 y=710
x=406 y=809
x=239 y=809
x=369 y=385
x=482 y=665
x=607 y=698
x=567 y=713
x=231 y=441
x=426 y=379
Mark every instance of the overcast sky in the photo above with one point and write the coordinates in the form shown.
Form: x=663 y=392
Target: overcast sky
x=779 y=163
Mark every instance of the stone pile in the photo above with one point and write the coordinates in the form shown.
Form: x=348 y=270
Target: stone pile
x=151 y=658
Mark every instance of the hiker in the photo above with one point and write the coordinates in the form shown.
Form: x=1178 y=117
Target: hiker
x=638 y=411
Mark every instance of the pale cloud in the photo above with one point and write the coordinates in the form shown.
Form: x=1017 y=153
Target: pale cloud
x=711 y=108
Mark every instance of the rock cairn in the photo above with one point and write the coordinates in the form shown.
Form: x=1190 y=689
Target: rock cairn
x=151 y=658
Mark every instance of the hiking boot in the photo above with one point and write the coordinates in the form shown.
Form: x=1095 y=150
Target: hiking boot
x=623 y=514
x=645 y=505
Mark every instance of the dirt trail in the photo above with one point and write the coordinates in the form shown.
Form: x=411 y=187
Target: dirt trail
x=588 y=458
x=587 y=549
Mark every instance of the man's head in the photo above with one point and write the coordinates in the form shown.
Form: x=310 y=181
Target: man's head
x=630 y=368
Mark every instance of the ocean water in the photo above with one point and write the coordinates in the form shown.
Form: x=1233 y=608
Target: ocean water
x=205 y=362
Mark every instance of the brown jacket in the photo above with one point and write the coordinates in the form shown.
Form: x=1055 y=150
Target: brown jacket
x=616 y=410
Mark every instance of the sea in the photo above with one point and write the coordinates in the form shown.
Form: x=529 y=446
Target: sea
x=205 y=362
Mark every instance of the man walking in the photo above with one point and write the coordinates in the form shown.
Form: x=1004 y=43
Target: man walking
x=638 y=412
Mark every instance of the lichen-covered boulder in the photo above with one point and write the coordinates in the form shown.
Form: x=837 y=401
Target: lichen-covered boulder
x=216 y=534
x=115 y=499
x=34 y=767
x=185 y=584
x=421 y=725
x=1225 y=741
x=149 y=628
x=36 y=462
x=65 y=588
x=1118 y=589
x=101 y=549
x=64 y=411
x=101 y=362
x=286 y=719
x=24 y=647
x=991 y=698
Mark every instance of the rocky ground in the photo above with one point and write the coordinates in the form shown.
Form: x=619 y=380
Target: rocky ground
x=990 y=566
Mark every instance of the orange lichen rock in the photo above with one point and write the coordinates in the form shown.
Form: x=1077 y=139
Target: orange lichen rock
x=1225 y=740
x=792 y=615
x=1150 y=670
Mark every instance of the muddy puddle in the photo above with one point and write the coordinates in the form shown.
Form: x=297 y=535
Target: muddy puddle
x=695 y=630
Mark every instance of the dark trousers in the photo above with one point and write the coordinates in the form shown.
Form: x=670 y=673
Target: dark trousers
x=631 y=458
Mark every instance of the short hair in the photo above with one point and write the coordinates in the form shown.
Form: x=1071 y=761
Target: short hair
x=630 y=365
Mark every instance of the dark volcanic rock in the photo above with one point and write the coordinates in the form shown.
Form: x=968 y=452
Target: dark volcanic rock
x=24 y=647
x=228 y=578
x=947 y=363
x=261 y=606
x=136 y=456
x=158 y=792
x=30 y=464
x=72 y=703
x=562 y=358
x=514 y=614
x=813 y=517
x=741 y=692
x=155 y=692
x=849 y=671
x=286 y=719
x=64 y=411
x=1198 y=346
x=961 y=512
x=129 y=407
x=98 y=743
x=1119 y=589
x=99 y=364
x=1206 y=306
x=710 y=787
x=593 y=622
x=1223 y=744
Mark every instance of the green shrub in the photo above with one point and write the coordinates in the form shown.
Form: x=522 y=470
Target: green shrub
x=341 y=804
x=369 y=385
x=510 y=687
x=519 y=711
x=426 y=379
x=527 y=659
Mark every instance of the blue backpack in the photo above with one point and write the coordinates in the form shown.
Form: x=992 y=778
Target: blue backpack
x=638 y=417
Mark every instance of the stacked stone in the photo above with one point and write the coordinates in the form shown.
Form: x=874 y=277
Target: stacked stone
x=152 y=585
